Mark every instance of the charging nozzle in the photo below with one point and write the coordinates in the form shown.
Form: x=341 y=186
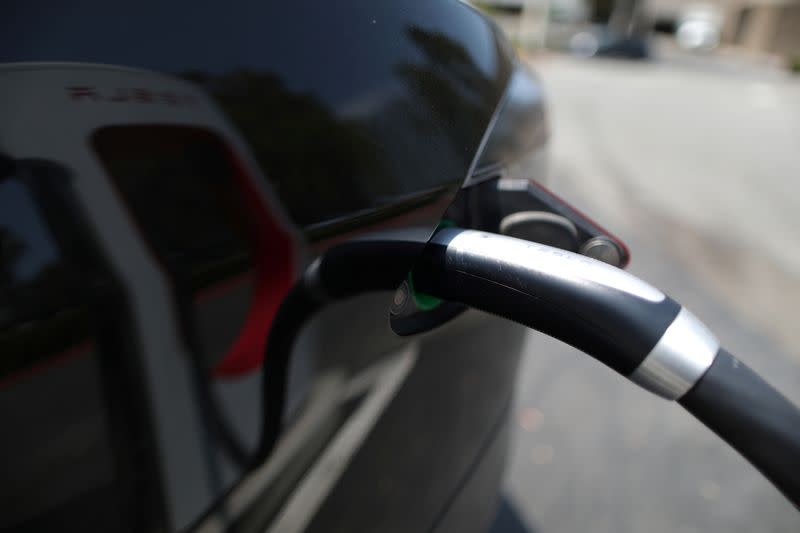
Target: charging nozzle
x=603 y=311
x=611 y=315
x=627 y=324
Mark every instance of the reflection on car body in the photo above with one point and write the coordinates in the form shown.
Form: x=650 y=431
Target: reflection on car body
x=158 y=203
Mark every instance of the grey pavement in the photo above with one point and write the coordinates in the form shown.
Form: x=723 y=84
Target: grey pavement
x=698 y=170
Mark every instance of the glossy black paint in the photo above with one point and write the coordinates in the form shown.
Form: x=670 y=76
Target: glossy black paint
x=361 y=114
x=520 y=128
x=347 y=106
x=426 y=448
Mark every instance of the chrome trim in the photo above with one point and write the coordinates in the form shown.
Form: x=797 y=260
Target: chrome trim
x=510 y=255
x=679 y=359
x=603 y=249
x=521 y=217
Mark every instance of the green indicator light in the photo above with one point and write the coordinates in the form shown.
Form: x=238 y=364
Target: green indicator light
x=423 y=301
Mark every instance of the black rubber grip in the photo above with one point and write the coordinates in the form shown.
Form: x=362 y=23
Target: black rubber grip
x=754 y=418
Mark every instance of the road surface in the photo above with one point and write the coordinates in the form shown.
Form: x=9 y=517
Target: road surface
x=696 y=165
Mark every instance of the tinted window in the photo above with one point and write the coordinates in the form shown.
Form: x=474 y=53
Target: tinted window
x=58 y=461
x=229 y=260
x=347 y=106
x=179 y=185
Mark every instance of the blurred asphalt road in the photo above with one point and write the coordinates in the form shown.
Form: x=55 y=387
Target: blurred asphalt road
x=695 y=163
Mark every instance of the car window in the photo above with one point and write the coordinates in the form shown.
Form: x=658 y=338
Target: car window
x=59 y=461
x=228 y=257
x=178 y=185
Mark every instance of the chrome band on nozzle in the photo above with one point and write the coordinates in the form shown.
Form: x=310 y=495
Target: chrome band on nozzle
x=685 y=352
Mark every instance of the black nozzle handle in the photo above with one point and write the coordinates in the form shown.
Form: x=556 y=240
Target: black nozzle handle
x=611 y=315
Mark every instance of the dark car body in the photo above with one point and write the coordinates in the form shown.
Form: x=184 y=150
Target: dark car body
x=166 y=172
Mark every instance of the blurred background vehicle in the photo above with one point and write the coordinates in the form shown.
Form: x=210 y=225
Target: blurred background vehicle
x=763 y=30
x=584 y=28
x=699 y=28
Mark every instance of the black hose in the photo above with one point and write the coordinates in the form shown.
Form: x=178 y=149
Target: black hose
x=377 y=263
x=754 y=418
x=296 y=310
